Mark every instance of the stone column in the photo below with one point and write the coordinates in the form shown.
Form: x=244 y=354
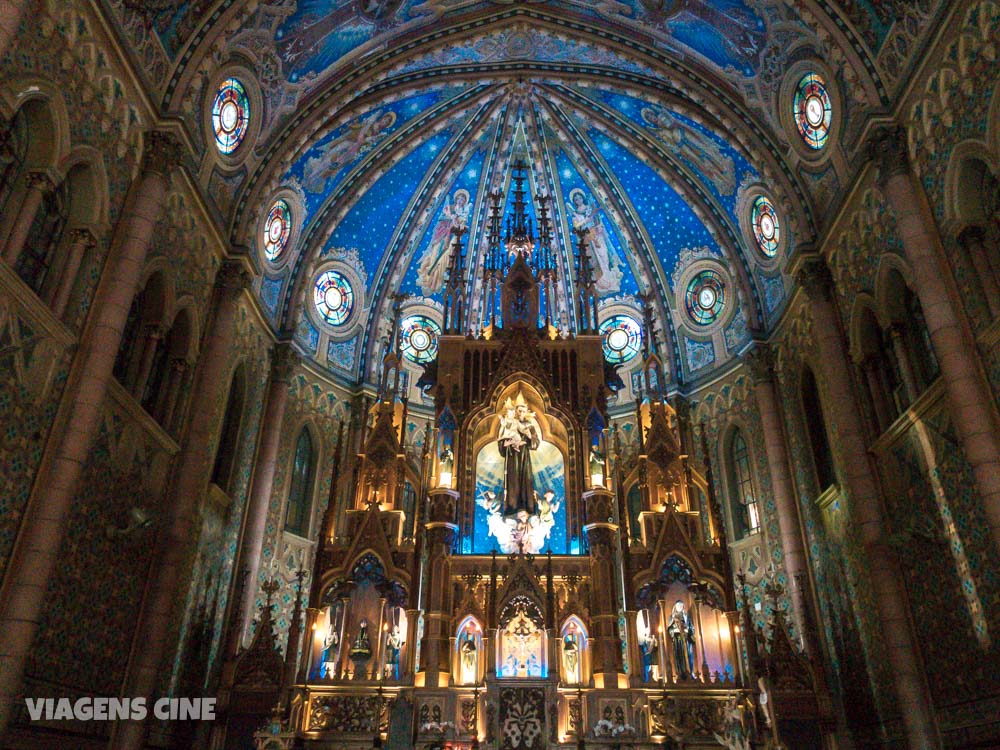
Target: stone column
x=154 y=336
x=972 y=239
x=606 y=649
x=77 y=425
x=11 y=12
x=80 y=241
x=901 y=350
x=37 y=184
x=435 y=657
x=190 y=480
x=760 y=362
x=970 y=397
x=282 y=366
x=866 y=508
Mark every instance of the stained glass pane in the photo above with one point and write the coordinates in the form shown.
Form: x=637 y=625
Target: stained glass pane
x=622 y=338
x=419 y=338
x=230 y=115
x=766 y=229
x=747 y=516
x=705 y=297
x=277 y=228
x=813 y=111
x=334 y=297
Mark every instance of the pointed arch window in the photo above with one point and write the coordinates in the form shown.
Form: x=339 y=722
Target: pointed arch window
x=746 y=513
x=225 y=455
x=301 y=485
x=816 y=427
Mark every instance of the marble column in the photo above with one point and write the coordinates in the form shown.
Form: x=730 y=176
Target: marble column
x=80 y=241
x=972 y=240
x=37 y=184
x=78 y=421
x=760 y=362
x=971 y=398
x=856 y=471
x=606 y=652
x=282 y=366
x=190 y=480
x=152 y=342
x=11 y=12
x=435 y=658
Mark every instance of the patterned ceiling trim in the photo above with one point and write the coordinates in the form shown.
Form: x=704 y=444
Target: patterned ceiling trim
x=712 y=90
x=351 y=188
x=721 y=221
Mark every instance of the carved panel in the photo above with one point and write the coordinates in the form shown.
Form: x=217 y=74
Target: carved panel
x=522 y=718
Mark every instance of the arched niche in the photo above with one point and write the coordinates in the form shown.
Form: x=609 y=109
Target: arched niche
x=359 y=613
x=468 y=662
x=521 y=641
x=683 y=629
x=574 y=652
x=496 y=526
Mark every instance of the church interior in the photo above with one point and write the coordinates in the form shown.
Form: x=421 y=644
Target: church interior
x=500 y=374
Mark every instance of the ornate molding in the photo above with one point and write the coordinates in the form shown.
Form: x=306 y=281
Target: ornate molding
x=284 y=360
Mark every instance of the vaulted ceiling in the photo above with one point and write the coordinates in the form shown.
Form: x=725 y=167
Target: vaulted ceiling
x=655 y=123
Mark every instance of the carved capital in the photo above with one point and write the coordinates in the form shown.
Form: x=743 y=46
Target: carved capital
x=887 y=148
x=162 y=153
x=82 y=236
x=233 y=278
x=759 y=362
x=815 y=279
x=40 y=181
x=972 y=236
x=284 y=359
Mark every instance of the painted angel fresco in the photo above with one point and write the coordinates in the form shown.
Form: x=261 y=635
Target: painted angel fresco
x=361 y=137
x=434 y=261
x=584 y=214
x=726 y=31
x=317 y=24
x=694 y=147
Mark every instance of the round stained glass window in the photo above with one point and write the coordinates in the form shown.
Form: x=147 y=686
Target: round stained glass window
x=277 y=228
x=419 y=338
x=766 y=230
x=230 y=115
x=622 y=338
x=334 y=297
x=812 y=110
x=705 y=297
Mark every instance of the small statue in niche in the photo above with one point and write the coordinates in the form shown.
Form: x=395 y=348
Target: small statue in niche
x=596 y=466
x=681 y=632
x=468 y=656
x=362 y=645
x=650 y=657
x=328 y=659
x=571 y=655
x=393 y=643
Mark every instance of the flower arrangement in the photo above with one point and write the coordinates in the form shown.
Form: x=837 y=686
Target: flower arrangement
x=436 y=727
x=607 y=728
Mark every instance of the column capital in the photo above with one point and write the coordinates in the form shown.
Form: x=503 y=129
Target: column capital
x=813 y=275
x=40 y=180
x=284 y=359
x=233 y=278
x=759 y=362
x=162 y=153
x=82 y=235
x=887 y=148
x=971 y=235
